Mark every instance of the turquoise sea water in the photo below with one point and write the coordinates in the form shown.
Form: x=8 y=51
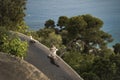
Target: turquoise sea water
x=38 y=11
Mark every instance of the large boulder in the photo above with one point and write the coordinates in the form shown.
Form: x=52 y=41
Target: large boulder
x=12 y=68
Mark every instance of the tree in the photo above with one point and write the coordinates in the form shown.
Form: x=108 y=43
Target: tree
x=75 y=26
x=88 y=29
x=62 y=21
x=104 y=68
x=49 y=24
x=73 y=59
x=64 y=34
x=115 y=59
x=80 y=62
x=47 y=36
x=93 y=35
x=12 y=13
x=117 y=48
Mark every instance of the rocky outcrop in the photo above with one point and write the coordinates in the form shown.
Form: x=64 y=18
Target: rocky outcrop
x=12 y=68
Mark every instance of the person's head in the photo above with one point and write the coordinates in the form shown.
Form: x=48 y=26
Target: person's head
x=52 y=45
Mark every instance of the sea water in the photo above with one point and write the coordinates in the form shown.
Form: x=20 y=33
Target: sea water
x=38 y=11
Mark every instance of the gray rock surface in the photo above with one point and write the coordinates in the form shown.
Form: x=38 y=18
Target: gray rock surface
x=12 y=68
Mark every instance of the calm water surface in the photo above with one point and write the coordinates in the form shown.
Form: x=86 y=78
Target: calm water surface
x=38 y=11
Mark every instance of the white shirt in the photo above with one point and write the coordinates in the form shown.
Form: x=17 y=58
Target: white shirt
x=31 y=38
x=53 y=52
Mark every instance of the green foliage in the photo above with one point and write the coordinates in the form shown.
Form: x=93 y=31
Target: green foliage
x=75 y=26
x=105 y=52
x=90 y=76
x=104 y=68
x=92 y=22
x=3 y=32
x=22 y=28
x=64 y=34
x=13 y=45
x=18 y=47
x=117 y=48
x=88 y=29
x=49 y=24
x=44 y=32
x=115 y=59
x=12 y=13
x=92 y=67
x=72 y=59
x=62 y=21
x=80 y=62
x=48 y=37
x=86 y=63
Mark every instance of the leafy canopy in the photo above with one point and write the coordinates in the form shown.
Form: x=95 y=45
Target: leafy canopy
x=12 y=13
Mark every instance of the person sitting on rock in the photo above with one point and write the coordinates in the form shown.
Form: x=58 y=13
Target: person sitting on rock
x=53 y=51
x=32 y=40
x=52 y=55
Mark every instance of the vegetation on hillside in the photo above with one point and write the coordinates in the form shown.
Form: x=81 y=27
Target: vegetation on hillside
x=12 y=18
x=83 y=45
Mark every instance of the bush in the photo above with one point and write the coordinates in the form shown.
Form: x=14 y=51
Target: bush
x=13 y=45
x=90 y=76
